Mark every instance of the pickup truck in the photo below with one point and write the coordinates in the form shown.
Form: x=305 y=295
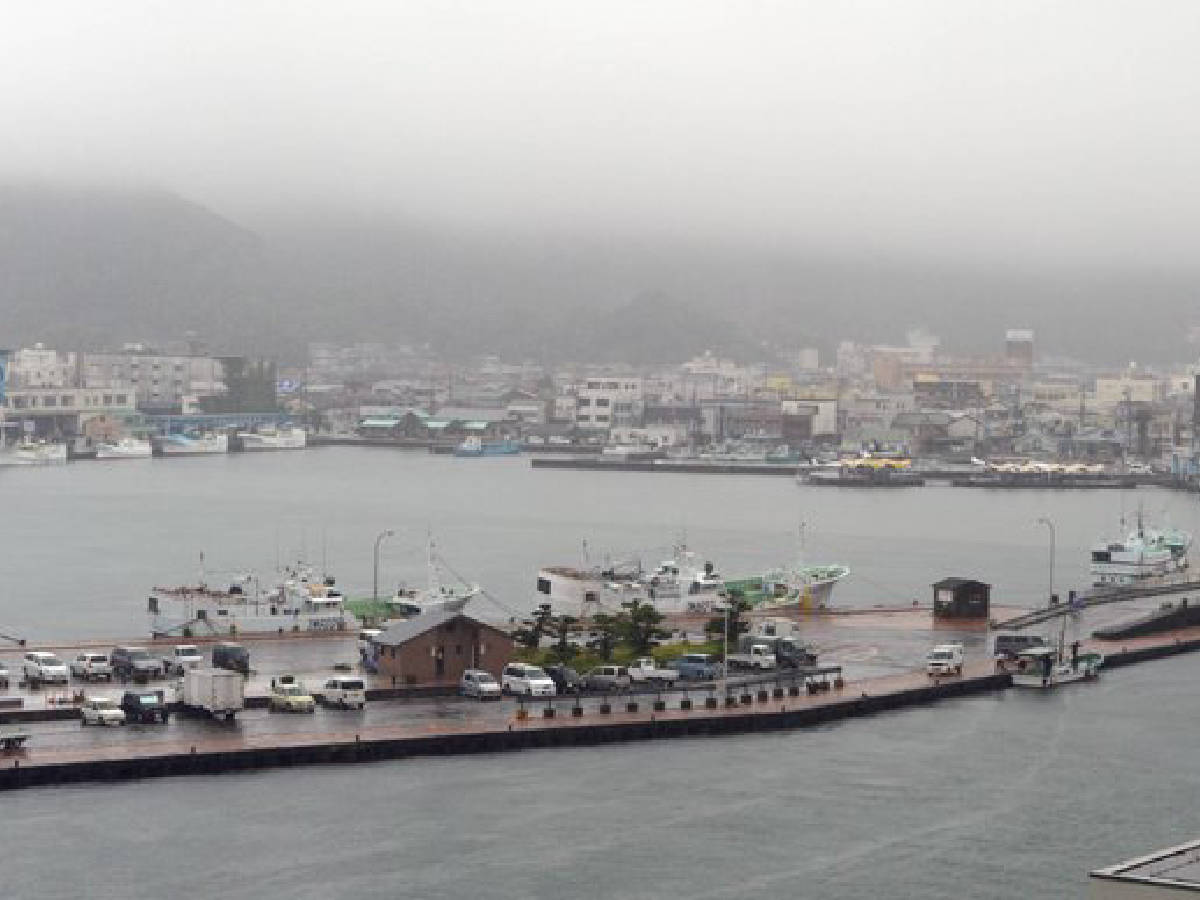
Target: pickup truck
x=697 y=667
x=760 y=656
x=91 y=667
x=645 y=671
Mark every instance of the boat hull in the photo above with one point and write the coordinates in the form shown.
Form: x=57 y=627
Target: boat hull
x=254 y=442
x=125 y=450
x=174 y=446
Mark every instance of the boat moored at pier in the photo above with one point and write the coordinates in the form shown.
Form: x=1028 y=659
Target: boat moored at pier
x=192 y=444
x=125 y=448
x=273 y=439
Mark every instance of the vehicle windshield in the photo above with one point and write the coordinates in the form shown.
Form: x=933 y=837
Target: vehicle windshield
x=139 y=654
x=535 y=672
x=352 y=685
x=292 y=690
x=97 y=658
x=50 y=661
x=105 y=703
x=940 y=654
x=186 y=651
x=485 y=678
x=148 y=699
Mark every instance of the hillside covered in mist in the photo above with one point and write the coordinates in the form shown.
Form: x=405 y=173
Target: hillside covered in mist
x=88 y=268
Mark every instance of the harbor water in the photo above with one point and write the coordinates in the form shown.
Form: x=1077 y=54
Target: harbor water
x=83 y=544
x=1013 y=794
x=1007 y=795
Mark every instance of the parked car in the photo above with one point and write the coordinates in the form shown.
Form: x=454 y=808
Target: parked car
x=40 y=667
x=91 y=667
x=182 y=658
x=480 y=684
x=145 y=706
x=349 y=693
x=697 y=667
x=101 y=711
x=607 y=679
x=4 y=676
x=231 y=656
x=523 y=678
x=566 y=680
x=135 y=663
x=292 y=697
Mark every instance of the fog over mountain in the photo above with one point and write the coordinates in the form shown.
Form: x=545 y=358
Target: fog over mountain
x=96 y=267
x=602 y=179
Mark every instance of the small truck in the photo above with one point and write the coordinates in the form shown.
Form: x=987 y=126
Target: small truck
x=646 y=671
x=182 y=658
x=759 y=656
x=219 y=693
x=944 y=659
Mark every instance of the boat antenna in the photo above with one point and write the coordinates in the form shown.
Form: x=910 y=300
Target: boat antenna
x=201 y=568
x=324 y=548
x=585 y=554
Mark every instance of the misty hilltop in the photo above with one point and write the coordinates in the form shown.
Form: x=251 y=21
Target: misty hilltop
x=94 y=268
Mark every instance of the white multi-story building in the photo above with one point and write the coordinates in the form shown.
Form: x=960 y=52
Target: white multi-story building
x=38 y=367
x=1135 y=387
x=603 y=402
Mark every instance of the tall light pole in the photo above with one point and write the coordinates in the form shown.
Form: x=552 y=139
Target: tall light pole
x=378 y=541
x=1045 y=521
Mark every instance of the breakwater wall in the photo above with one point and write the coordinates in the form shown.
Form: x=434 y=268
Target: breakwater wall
x=589 y=729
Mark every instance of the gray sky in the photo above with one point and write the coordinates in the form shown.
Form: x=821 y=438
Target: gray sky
x=1032 y=130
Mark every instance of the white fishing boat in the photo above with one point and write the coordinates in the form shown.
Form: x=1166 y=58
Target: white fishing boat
x=33 y=453
x=125 y=448
x=273 y=439
x=1143 y=553
x=299 y=602
x=583 y=592
x=684 y=583
x=1047 y=667
x=436 y=596
x=193 y=444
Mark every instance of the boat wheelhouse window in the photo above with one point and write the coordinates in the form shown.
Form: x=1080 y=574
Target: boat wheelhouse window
x=590 y=597
x=543 y=585
x=1101 y=556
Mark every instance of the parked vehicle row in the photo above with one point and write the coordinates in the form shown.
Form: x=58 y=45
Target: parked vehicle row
x=134 y=706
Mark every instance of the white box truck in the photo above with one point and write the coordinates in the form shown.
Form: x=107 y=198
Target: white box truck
x=218 y=692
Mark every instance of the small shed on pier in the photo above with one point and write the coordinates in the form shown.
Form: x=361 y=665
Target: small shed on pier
x=961 y=598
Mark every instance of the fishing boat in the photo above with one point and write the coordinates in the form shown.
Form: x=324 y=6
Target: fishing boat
x=476 y=446
x=800 y=586
x=864 y=471
x=684 y=584
x=33 y=453
x=192 y=444
x=1047 y=667
x=1143 y=553
x=300 y=601
x=125 y=448
x=273 y=439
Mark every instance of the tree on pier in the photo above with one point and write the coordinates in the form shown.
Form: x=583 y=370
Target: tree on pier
x=608 y=634
x=641 y=621
x=531 y=631
x=738 y=604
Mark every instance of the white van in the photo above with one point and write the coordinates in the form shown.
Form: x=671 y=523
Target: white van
x=347 y=692
x=945 y=659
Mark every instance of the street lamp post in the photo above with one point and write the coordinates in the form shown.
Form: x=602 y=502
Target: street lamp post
x=1045 y=521
x=379 y=540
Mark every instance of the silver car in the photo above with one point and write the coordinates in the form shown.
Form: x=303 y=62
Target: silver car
x=479 y=684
